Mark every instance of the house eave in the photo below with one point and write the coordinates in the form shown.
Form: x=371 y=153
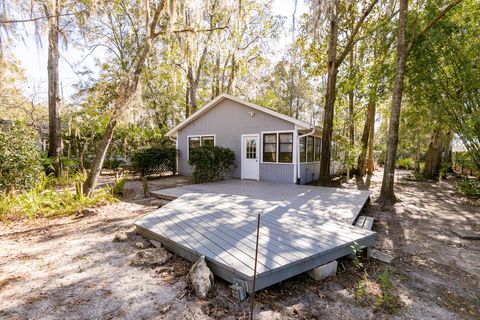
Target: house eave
x=300 y=125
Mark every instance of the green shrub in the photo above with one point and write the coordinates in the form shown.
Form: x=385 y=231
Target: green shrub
x=211 y=163
x=154 y=160
x=114 y=164
x=406 y=163
x=20 y=167
x=469 y=187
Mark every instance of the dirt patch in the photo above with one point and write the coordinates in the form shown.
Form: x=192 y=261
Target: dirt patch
x=71 y=268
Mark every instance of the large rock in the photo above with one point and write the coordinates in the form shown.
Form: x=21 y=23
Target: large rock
x=201 y=278
x=152 y=256
x=120 y=237
x=324 y=271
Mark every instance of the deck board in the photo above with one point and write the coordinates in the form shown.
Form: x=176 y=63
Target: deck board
x=298 y=230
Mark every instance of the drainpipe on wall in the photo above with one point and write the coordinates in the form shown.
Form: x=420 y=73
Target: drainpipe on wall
x=298 y=153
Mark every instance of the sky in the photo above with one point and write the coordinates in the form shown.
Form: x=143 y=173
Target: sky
x=33 y=56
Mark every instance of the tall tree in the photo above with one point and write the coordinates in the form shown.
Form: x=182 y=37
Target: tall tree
x=333 y=63
x=130 y=80
x=52 y=12
x=387 y=195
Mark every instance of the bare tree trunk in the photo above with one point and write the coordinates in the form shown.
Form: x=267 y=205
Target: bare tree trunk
x=351 y=97
x=216 y=83
x=187 y=101
x=233 y=76
x=417 y=150
x=371 y=139
x=191 y=91
x=387 y=195
x=447 y=148
x=52 y=11
x=193 y=97
x=364 y=142
x=330 y=96
x=433 y=157
x=97 y=163
x=126 y=90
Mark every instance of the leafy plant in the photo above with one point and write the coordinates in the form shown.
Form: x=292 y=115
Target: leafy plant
x=20 y=167
x=406 y=163
x=469 y=187
x=211 y=163
x=50 y=202
x=357 y=251
x=51 y=197
x=119 y=185
x=378 y=293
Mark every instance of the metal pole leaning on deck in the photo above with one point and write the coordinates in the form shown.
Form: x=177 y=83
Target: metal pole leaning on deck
x=255 y=267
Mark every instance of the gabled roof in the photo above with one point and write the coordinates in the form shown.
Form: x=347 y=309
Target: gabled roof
x=301 y=125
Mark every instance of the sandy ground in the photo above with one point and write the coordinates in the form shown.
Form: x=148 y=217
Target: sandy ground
x=69 y=268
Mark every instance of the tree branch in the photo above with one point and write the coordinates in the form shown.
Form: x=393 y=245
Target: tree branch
x=192 y=30
x=432 y=23
x=40 y=18
x=351 y=40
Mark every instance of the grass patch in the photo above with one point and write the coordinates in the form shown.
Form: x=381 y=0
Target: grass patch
x=469 y=308
x=379 y=293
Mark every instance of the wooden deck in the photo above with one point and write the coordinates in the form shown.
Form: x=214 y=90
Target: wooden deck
x=334 y=203
x=298 y=230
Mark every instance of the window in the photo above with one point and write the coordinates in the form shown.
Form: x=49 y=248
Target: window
x=310 y=149
x=317 y=146
x=197 y=141
x=270 y=147
x=193 y=143
x=285 y=154
x=251 y=148
x=208 y=141
x=303 y=153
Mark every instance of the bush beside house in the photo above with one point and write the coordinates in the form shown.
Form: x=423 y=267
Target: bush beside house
x=211 y=163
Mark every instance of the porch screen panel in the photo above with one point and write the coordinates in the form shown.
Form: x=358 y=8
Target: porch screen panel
x=302 y=149
x=310 y=149
x=317 y=146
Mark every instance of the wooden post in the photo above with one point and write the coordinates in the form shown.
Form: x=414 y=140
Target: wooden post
x=146 y=193
x=255 y=268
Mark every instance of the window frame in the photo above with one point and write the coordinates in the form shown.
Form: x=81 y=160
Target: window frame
x=277 y=143
x=200 y=136
x=286 y=143
x=264 y=144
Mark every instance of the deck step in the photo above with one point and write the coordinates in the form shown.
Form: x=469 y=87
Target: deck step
x=364 y=222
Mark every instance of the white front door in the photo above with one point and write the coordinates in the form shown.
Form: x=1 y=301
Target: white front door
x=250 y=156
